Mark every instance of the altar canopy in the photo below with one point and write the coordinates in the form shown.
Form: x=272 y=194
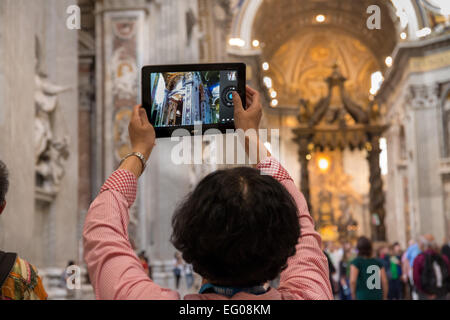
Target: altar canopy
x=337 y=122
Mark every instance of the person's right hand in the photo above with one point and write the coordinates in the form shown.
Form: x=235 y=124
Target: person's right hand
x=249 y=118
x=142 y=133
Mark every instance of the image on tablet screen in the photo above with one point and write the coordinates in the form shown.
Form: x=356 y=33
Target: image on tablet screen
x=192 y=98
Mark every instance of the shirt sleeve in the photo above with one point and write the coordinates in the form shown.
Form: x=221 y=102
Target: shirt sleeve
x=355 y=262
x=115 y=270
x=306 y=276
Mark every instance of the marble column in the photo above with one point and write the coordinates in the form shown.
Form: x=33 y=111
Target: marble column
x=422 y=100
x=376 y=193
x=120 y=40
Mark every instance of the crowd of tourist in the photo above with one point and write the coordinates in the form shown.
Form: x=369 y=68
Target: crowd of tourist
x=367 y=271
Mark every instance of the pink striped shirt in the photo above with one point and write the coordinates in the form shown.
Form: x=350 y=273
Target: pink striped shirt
x=117 y=273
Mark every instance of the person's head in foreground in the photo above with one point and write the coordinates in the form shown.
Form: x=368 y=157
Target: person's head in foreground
x=364 y=247
x=237 y=228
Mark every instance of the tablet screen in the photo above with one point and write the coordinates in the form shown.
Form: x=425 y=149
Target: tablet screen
x=192 y=97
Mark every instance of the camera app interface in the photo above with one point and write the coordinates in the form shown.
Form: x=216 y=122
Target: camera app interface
x=192 y=98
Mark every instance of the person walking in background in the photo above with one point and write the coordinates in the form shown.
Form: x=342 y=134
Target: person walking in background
x=395 y=273
x=70 y=292
x=344 y=270
x=332 y=271
x=178 y=269
x=368 y=280
x=431 y=271
x=19 y=280
x=411 y=253
x=335 y=253
x=445 y=250
x=189 y=275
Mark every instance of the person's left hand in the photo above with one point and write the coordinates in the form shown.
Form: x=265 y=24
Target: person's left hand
x=142 y=134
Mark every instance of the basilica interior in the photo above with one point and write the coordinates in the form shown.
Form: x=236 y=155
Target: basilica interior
x=359 y=91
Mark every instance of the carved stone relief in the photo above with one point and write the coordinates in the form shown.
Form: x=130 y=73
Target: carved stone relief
x=51 y=151
x=423 y=96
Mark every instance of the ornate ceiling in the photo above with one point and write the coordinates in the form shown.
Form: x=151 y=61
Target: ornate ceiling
x=301 y=51
x=278 y=21
x=299 y=66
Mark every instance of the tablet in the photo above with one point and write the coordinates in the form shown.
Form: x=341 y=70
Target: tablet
x=194 y=97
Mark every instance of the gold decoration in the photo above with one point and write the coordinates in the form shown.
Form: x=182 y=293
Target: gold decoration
x=333 y=198
x=431 y=62
x=300 y=66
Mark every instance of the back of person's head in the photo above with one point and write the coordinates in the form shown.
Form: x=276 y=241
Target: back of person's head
x=396 y=248
x=4 y=183
x=237 y=228
x=427 y=242
x=364 y=246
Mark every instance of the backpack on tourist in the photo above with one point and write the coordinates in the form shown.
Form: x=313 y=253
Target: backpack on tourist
x=435 y=278
x=7 y=261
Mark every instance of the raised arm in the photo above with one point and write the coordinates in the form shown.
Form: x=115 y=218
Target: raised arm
x=113 y=266
x=306 y=276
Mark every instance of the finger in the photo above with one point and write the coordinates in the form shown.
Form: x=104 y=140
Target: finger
x=135 y=117
x=255 y=104
x=143 y=116
x=249 y=98
x=238 y=108
x=250 y=90
x=250 y=93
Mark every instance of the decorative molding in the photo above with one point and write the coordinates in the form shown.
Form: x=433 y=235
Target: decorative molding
x=123 y=5
x=402 y=55
x=423 y=96
x=430 y=62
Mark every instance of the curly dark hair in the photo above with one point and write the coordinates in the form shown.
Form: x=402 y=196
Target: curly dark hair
x=4 y=182
x=238 y=227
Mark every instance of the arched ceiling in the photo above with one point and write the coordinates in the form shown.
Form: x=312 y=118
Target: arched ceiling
x=299 y=67
x=277 y=21
x=301 y=52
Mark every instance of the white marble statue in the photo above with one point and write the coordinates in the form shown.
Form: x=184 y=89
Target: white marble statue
x=49 y=151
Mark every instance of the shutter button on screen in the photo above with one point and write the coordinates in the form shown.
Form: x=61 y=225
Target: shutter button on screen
x=227 y=96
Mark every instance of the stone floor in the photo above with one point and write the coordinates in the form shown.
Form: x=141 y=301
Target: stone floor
x=52 y=280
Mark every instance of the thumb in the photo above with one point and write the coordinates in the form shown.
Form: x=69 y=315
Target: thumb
x=238 y=108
